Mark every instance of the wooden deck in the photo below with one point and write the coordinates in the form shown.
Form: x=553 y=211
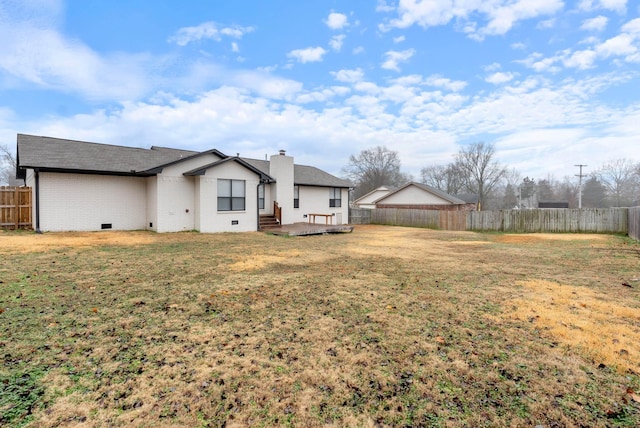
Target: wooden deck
x=302 y=229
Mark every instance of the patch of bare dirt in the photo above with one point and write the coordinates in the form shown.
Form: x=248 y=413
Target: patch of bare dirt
x=522 y=238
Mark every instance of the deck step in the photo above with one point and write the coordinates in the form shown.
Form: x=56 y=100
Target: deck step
x=269 y=222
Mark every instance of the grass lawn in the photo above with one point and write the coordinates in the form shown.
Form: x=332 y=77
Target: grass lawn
x=385 y=326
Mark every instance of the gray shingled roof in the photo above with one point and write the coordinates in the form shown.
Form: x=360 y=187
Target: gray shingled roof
x=304 y=175
x=58 y=154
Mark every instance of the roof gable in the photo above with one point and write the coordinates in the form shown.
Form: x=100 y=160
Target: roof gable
x=373 y=195
x=203 y=169
x=422 y=188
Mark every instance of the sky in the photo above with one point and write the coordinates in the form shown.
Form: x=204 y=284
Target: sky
x=551 y=83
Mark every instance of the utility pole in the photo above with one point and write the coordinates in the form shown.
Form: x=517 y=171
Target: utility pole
x=580 y=184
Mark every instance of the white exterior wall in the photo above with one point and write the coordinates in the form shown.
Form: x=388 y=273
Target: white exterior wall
x=281 y=169
x=268 y=200
x=367 y=201
x=152 y=203
x=315 y=200
x=176 y=200
x=83 y=202
x=211 y=220
x=415 y=196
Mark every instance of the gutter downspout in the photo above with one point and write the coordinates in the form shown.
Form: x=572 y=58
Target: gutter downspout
x=37 y=177
x=260 y=183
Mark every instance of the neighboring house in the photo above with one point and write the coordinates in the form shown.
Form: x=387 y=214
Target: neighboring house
x=421 y=196
x=83 y=186
x=368 y=201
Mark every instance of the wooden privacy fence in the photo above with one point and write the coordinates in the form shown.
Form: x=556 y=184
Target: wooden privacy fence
x=634 y=223
x=587 y=220
x=359 y=216
x=15 y=207
x=434 y=219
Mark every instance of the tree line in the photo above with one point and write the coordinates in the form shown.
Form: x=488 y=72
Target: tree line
x=475 y=171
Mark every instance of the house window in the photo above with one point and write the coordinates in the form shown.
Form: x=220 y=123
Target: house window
x=261 y=196
x=231 y=195
x=296 y=197
x=335 y=197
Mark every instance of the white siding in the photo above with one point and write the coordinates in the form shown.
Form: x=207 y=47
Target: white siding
x=152 y=203
x=84 y=202
x=212 y=220
x=176 y=199
x=368 y=200
x=281 y=169
x=414 y=196
x=315 y=200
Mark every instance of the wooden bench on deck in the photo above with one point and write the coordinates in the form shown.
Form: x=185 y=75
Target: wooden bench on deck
x=327 y=218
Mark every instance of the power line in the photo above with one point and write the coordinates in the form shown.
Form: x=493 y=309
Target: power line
x=580 y=184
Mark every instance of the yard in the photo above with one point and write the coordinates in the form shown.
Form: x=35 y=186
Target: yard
x=383 y=326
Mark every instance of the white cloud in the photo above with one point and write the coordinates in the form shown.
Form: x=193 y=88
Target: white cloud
x=620 y=45
x=308 y=54
x=336 y=42
x=358 y=50
x=348 y=76
x=492 y=67
x=235 y=118
x=399 y=39
x=632 y=27
x=499 y=78
x=619 y=6
x=581 y=59
x=33 y=52
x=208 y=30
x=234 y=47
x=546 y=24
x=518 y=46
x=443 y=82
x=336 y=21
x=393 y=58
x=599 y=23
x=382 y=6
x=625 y=45
x=500 y=15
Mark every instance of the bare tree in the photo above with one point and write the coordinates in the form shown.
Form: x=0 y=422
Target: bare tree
x=620 y=178
x=373 y=168
x=8 y=165
x=481 y=171
x=447 y=178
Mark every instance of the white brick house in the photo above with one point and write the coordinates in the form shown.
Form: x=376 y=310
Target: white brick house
x=81 y=186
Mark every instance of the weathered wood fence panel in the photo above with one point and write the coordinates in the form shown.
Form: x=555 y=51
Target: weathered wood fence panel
x=588 y=220
x=634 y=223
x=15 y=207
x=359 y=216
x=406 y=217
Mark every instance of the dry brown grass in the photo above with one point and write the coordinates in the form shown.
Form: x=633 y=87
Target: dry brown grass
x=604 y=326
x=384 y=326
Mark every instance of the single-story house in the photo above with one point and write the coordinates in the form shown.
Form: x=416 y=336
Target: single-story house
x=420 y=196
x=83 y=186
x=368 y=201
